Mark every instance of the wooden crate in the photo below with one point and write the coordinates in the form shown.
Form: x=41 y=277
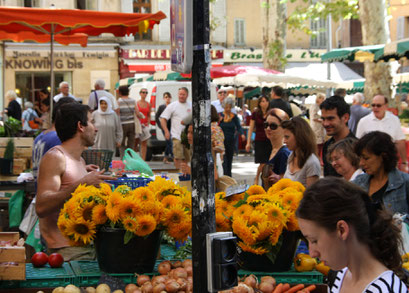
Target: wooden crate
x=23 y=146
x=12 y=259
x=19 y=165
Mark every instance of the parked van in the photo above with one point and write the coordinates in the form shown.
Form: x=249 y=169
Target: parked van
x=156 y=89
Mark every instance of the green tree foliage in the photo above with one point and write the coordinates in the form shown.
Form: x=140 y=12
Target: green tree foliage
x=339 y=9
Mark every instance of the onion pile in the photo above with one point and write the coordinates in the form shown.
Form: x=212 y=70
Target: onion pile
x=250 y=284
x=174 y=277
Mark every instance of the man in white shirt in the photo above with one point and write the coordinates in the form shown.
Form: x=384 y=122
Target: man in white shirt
x=64 y=92
x=99 y=93
x=176 y=111
x=382 y=120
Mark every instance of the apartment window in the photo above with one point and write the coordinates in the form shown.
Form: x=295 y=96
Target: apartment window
x=239 y=32
x=143 y=6
x=402 y=29
x=87 y=4
x=31 y=3
x=319 y=41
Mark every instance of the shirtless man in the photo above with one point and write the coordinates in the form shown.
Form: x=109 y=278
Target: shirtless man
x=61 y=170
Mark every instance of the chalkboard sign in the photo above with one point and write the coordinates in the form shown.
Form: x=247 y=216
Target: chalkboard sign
x=112 y=282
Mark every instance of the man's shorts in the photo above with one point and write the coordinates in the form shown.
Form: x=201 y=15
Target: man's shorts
x=179 y=151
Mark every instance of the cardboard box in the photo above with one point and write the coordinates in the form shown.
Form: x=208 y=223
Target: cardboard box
x=12 y=259
x=19 y=165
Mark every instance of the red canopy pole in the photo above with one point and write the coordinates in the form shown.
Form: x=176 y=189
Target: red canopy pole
x=52 y=73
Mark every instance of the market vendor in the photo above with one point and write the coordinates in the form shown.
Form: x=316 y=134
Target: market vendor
x=61 y=170
x=353 y=236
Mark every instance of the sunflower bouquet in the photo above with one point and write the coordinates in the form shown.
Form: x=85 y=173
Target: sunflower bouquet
x=161 y=205
x=258 y=218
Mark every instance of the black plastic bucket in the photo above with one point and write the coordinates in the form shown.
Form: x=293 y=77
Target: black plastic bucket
x=261 y=263
x=137 y=256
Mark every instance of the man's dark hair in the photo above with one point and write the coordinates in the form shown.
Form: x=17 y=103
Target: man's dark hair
x=123 y=90
x=67 y=118
x=45 y=91
x=278 y=91
x=336 y=102
x=185 y=89
x=57 y=106
x=46 y=102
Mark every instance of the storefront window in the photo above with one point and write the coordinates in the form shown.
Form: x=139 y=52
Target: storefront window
x=143 y=6
x=31 y=3
x=29 y=84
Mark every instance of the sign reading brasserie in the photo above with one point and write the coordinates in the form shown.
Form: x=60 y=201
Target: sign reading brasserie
x=256 y=55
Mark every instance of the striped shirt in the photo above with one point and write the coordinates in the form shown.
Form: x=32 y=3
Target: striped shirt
x=386 y=282
x=126 y=110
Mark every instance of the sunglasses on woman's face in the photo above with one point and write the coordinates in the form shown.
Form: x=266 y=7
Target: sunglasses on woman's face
x=272 y=126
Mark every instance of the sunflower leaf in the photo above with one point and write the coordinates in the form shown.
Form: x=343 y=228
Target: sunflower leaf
x=128 y=236
x=242 y=201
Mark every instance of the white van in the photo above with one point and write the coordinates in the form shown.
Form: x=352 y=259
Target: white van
x=156 y=89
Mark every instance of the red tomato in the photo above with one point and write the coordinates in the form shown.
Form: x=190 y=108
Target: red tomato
x=55 y=260
x=39 y=259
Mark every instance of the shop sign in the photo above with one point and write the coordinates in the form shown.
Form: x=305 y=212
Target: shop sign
x=60 y=54
x=44 y=63
x=158 y=54
x=256 y=55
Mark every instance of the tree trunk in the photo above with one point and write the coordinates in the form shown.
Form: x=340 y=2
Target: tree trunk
x=375 y=31
x=273 y=19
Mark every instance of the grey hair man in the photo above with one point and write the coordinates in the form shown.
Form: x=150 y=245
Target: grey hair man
x=100 y=91
x=64 y=88
x=357 y=111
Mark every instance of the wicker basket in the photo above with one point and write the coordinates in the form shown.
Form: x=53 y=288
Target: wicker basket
x=101 y=158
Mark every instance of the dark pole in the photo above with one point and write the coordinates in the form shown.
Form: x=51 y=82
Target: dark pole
x=203 y=215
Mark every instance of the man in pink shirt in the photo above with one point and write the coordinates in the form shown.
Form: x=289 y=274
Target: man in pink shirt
x=61 y=170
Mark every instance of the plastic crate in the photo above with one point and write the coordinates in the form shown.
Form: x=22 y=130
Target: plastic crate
x=44 y=277
x=87 y=273
x=291 y=277
x=101 y=158
x=131 y=182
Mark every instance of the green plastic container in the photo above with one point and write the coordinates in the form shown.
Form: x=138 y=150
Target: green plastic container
x=87 y=273
x=44 y=277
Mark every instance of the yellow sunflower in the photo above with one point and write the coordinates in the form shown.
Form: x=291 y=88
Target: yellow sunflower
x=105 y=190
x=291 y=198
x=255 y=250
x=130 y=224
x=124 y=190
x=171 y=200
x=220 y=195
x=186 y=202
x=243 y=211
x=62 y=223
x=285 y=183
x=255 y=189
x=244 y=232
x=146 y=225
x=81 y=231
x=264 y=229
x=257 y=198
x=257 y=217
x=128 y=207
x=222 y=223
x=112 y=208
x=175 y=215
x=85 y=212
x=276 y=213
x=99 y=215
x=143 y=194
x=180 y=231
x=159 y=183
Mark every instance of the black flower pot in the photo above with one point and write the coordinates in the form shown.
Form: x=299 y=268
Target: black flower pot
x=6 y=166
x=137 y=256
x=261 y=263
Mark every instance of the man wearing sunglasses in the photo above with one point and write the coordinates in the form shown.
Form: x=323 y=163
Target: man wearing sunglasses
x=382 y=120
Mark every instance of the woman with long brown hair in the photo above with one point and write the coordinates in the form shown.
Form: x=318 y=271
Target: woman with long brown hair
x=303 y=164
x=352 y=235
x=262 y=145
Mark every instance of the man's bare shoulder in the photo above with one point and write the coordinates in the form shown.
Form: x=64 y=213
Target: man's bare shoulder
x=53 y=157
